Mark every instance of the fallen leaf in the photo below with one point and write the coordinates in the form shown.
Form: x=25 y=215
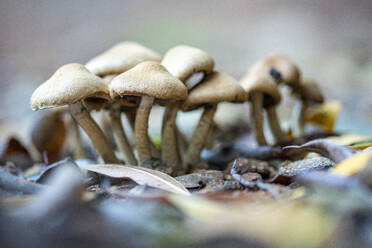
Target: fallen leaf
x=140 y=175
x=353 y=165
x=350 y=139
x=324 y=147
x=324 y=115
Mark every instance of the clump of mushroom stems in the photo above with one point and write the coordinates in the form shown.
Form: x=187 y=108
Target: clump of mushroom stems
x=99 y=140
x=198 y=139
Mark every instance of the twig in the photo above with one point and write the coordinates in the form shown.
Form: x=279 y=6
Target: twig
x=13 y=183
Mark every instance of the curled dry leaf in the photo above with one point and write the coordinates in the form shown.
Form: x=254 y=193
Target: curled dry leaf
x=140 y=175
x=324 y=147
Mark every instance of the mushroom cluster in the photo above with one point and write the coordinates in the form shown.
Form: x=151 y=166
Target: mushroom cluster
x=130 y=78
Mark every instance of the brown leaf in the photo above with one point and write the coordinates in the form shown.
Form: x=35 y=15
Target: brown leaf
x=324 y=147
x=13 y=150
x=140 y=175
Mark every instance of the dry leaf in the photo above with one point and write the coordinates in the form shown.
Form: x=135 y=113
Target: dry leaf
x=324 y=147
x=324 y=115
x=140 y=175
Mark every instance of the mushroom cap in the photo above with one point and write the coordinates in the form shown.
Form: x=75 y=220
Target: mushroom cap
x=148 y=79
x=108 y=78
x=69 y=84
x=182 y=61
x=217 y=87
x=121 y=57
x=310 y=91
x=289 y=72
x=252 y=83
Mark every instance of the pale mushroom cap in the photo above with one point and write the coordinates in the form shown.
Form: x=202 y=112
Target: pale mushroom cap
x=310 y=91
x=182 y=61
x=69 y=84
x=217 y=87
x=108 y=78
x=120 y=58
x=262 y=84
x=148 y=79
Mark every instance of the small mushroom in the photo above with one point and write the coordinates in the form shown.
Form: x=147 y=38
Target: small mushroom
x=309 y=94
x=263 y=93
x=190 y=65
x=281 y=69
x=217 y=87
x=149 y=80
x=70 y=85
x=120 y=58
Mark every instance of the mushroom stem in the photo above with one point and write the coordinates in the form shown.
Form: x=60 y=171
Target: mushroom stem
x=99 y=140
x=198 y=139
x=143 y=142
x=274 y=124
x=256 y=112
x=182 y=143
x=169 y=151
x=120 y=136
x=299 y=118
x=131 y=117
x=77 y=140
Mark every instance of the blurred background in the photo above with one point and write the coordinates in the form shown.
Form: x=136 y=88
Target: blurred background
x=330 y=40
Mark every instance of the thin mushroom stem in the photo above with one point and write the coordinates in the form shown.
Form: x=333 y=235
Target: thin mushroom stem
x=76 y=137
x=182 y=143
x=298 y=117
x=99 y=140
x=143 y=142
x=120 y=136
x=274 y=124
x=170 y=152
x=199 y=136
x=256 y=112
x=131 y=117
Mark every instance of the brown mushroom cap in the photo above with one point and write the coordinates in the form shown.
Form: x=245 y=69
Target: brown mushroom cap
x=310 y=91
x=262 y=84
x=69 y=84
x=290 y=74
x=182 y=61
x=148 y=79
x=120 y=58
x=217 y=87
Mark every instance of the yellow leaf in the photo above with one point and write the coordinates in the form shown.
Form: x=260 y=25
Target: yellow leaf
x=324 y=115
x=353 y=140
x=352 y=165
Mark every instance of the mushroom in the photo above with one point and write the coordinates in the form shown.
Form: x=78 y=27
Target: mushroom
x=149 y=80
x=281 y=69
x=190 y=65
x=120 y=58
x=263 y=93
x=116 y=60
x=217 y=87
x=309 y=94
x=70 y=85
